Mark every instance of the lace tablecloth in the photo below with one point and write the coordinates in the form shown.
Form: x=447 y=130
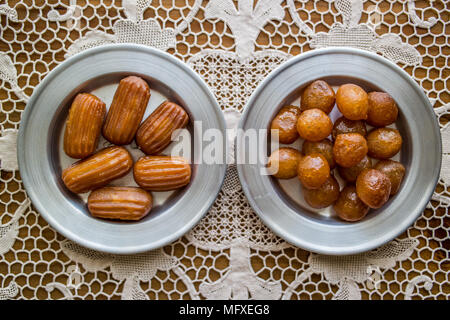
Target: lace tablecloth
x=233 y=45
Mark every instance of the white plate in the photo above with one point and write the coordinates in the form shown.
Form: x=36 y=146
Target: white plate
x=41 y=159
x=320 y=231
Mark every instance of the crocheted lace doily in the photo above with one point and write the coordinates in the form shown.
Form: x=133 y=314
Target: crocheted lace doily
x=233 y=45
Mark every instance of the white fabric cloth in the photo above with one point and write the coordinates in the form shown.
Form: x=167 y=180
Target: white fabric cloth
x=230 y=254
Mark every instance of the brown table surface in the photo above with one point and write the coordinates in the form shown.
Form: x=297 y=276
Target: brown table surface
x=36 y=46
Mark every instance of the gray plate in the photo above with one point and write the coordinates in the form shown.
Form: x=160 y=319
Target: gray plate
x=41 y=157
x=280 y=204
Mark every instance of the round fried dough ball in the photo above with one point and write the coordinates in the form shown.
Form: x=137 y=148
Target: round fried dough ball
x=313 y=171
x=286 y=122
x=349 y=206
x=318 y=95
x=384 y=143
x=283 y=163
x=324 y=147
x=314 y=125
x=383 y=110
x=324 y=196
x=352 y=101
x=349 y=149
x=373 y=188
x=343 y=125
x=394 y=170
x=350 y=174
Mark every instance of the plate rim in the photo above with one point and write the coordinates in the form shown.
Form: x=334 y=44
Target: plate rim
x=375 y=243
x=25 y=119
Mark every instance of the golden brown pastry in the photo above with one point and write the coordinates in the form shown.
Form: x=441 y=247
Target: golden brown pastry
x=313 y=171
x=324 y=196
x=283 y=163
x=155 y=133
x=383 y=110
x=343 y=125
x=126 y=111
x=97 y=170
x=394 y=170
x=162 y=173
x=123 y=203
x=286 y=123
x=373 y=188
x=318 y=95
x=350 y=174
x=349 y=206
x=352 y=101
x=349 y=149
x=84 y=125
x=324 y=147
x=314 y=125
x=384 y=143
